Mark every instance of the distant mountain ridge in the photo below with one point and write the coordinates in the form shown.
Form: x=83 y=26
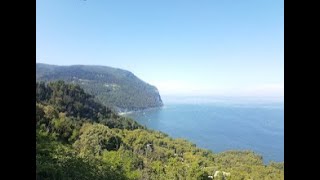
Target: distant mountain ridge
x=116 y=88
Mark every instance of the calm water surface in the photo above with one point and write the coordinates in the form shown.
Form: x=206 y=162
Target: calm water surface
x=222 y=126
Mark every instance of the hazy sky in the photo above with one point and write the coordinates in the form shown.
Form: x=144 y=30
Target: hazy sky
x=203 y=47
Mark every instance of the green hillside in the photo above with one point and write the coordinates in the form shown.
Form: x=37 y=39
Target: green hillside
x=115 y=88
x=79 y=138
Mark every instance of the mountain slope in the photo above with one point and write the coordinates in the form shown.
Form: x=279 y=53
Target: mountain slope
x=113 y=87
x=78 y=138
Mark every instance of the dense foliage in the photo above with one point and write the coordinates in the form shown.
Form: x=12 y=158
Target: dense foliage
x=112 y=87
x=73 y=145
x=58 y=99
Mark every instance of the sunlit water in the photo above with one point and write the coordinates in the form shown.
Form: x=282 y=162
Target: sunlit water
x=221 y=126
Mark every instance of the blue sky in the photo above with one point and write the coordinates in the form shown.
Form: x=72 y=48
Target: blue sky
x=185 y=47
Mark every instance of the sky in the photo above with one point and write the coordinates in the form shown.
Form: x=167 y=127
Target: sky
x=183 y=47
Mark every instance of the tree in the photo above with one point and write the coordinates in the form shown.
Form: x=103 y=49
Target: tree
x=96 y=138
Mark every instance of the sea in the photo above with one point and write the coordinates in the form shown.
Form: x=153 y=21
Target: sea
x=222 y=123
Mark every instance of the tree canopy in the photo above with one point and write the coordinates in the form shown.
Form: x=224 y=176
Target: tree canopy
x=116 y=88
x=79 y=138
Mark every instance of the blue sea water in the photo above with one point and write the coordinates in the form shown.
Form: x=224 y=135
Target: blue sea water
x=221 y=125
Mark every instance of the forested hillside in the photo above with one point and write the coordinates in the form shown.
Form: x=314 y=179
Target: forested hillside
x=79 y=138
x=115 y=88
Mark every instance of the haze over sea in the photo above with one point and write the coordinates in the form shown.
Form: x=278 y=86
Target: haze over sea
x=222 y=123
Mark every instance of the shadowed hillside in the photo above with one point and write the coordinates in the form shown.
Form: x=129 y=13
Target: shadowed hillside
x=116 y=88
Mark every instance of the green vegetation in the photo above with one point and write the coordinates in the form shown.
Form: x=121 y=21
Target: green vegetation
x=114 y=88
x=78 y=138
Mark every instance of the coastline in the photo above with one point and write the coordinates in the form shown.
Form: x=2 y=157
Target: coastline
x=121 y=113
x=162 y=121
